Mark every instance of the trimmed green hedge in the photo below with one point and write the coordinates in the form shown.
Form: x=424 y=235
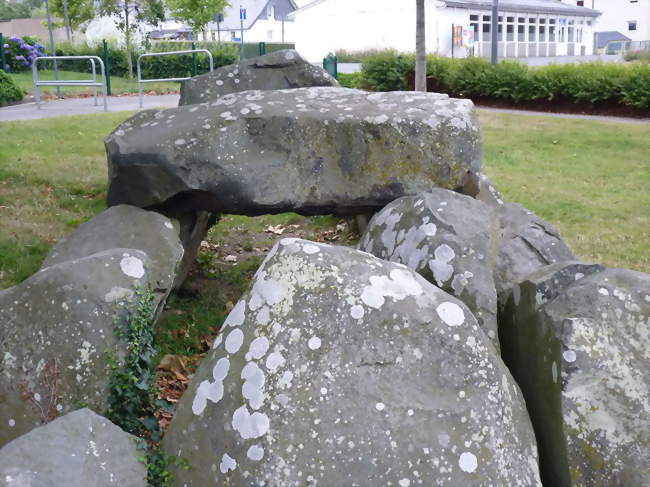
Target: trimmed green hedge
x=9 y=91
x=153 y=67
x=511 y=81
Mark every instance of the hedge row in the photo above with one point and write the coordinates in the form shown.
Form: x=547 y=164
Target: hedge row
x=152 y=67
x=9 y=90
x=595 y=83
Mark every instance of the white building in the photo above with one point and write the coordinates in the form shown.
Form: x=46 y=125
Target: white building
x=629 y=18
x=266 y=21
x=527 y=28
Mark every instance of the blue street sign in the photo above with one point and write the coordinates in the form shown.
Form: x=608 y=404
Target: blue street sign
x=242 y=14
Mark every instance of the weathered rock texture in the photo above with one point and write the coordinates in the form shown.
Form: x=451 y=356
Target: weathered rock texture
x=81 y=449
x=129 y=227
x=576 y=338
x=275 y=71
x=310 y=150
x=338 y=368
x=445 y=237
x=55 y=330
x=525 y=243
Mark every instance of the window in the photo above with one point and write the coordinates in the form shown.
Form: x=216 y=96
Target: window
x=521 y=33
x=270 y=12
x=580 y=3
x=233 y=35
x=531 y=33
x=473 y=18
x=631 y=25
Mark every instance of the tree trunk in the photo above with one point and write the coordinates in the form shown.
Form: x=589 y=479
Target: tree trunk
x=127 y=39
x=66 y=19
x=420 y=49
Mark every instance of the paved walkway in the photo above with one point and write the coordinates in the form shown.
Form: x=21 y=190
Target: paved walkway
x=82 y=106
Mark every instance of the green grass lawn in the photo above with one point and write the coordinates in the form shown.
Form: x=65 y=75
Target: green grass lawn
x=119 y=85
x=588 y=178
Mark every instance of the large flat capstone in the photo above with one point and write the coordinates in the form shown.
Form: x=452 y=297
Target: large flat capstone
x=337 y=368
x=309 y=150
x=278 y=70
x=80 y=449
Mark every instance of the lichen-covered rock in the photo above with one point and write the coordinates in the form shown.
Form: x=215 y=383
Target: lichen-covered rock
x=55 y=331
x=126 y=227
x=526 y=243
x=338 y=368
x=576 y=338
x=309 y=150
x=80 y=449
x=278 y=70
x=445 y=237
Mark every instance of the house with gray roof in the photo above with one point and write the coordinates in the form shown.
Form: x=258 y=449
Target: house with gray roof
x=459 y=28
x=265 y=21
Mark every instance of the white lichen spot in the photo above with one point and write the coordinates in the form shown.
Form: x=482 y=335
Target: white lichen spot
x=227 y=463
x=253 y=387
x=250 y=425
x=467 y=462
x=314 y=343
x=179 y=142
x=237 y=315
x=357 y=312
x=132 y=267
x=221 y=368
x=118 y=294
x=310 y=249
x=404 y=483
x=258 y=348
x=451 y=313
x=234 y=341
x=569 y=355
x=255 y=453
x=12 y=423
x=380 y=406
x=554 y=372
x=274 y=361
x=603 y=291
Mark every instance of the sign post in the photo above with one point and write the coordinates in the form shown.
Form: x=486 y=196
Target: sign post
x=242 y=17
x=219 y=18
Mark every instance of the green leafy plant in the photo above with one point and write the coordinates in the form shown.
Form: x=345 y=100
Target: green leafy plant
x=9 y=90
x=158 y=463
x=132 y=379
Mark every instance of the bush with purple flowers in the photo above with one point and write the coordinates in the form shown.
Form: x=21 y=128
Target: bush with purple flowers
x=22 y=51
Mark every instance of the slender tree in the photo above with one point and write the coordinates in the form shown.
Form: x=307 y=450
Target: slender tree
x=420 y=48
x=129 y=14
x=197 y=13
x=74 y=12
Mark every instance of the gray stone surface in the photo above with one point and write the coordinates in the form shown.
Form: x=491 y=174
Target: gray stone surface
x=55 y=329
x=80 y=449
x=278 y=70
x=576 y=338
x=526 y=243
x=337 y=368
x=127 y=227
x=445 y=237
x=309 y=150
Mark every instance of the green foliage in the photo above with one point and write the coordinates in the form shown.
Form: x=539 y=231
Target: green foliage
x=9 y=91
x=344 y=56
x=132 y=380
x=196 y=13
x=158 y=463
x=593 y=83
x=79 y=11
x=349 y=80
x=386 y=71
x=159 y=67
x=639 y=55
x=14 y=10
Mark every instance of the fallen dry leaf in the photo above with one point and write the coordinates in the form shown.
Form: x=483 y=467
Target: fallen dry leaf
x=278 y=229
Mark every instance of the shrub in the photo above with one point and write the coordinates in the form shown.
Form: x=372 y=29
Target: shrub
x=21 y=52
x=349 y=80
x=635 y=88
x=181 y=65
x=9 y=91
x=593 y=83
x=638 y=55
x=386 y=71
